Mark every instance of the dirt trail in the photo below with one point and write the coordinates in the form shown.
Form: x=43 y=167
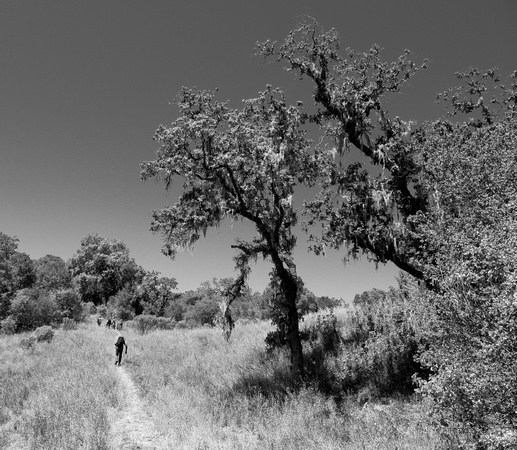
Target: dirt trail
x=132 y=429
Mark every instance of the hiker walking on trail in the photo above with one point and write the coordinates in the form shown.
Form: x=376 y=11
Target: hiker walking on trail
x=119 y=347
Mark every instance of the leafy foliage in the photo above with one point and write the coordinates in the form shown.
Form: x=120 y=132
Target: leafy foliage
x=124 y=305
x=366 y=208
x=102 y=267
x=145 y=323
x=379 y=345
x=52 y=273
x=156 y=293
x=70 y=305
x=16 y=272
x=473 y=228
x=32 y=308
x=238 y=164
x=437 y=200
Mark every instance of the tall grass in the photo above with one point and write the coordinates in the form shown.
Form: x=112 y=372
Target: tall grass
x=57 y=395
x=203 y=392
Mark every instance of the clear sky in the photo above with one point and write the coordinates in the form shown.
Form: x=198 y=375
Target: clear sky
x=84 y=85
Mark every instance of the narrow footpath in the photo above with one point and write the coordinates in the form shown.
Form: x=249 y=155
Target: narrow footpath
x=132 y=429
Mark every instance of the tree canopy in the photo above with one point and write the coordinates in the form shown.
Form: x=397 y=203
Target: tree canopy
x=102 y=267
x=238 y=164
x=52 y=273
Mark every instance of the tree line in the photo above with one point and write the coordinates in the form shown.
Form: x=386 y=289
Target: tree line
x=101 y=278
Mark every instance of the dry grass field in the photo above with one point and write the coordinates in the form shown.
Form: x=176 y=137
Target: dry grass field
x=57 y=395
x=194 y=389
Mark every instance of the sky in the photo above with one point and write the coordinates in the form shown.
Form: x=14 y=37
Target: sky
x=84 y=85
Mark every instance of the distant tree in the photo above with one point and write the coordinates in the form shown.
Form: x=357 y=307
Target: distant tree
x=190 y=298
x=156 y=293
x=325 y=302
x=176 y=309
x=69 y=305
x=307 y=302
x=125 y=304
x=238 y=164
x=52 y=273
x=249 y=305
x=16 y=271
x=369 y=297
x=23 y=274
x=102 y=267
x=203 y=312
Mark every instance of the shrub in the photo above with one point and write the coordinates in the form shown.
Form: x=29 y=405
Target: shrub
x=69 y=324
x=101 y=310
x=122 y=304
x=89 y=308
x=145 y=323
x=8 y=325
x=323 y=343
x=27 y=343
x=380 y=346
x=370 y=352
x=32 y=308
x=175 y=310
x=44 y=334
x=70 y=305
x=181 y=325
x=205 y=311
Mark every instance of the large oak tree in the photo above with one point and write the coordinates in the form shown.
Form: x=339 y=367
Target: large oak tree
x=239 y=164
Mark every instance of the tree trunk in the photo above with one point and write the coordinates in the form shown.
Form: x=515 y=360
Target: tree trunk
x=290 y=289
x=294 y=341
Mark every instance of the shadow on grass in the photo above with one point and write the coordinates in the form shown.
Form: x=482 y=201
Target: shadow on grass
x=278 y=382
x=276 y=385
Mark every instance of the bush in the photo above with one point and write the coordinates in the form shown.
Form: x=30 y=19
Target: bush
x=89 y=308
x=8 y=325
x=70 y=305
x=101 y=310
x=176 y=310
x=122 y=305
x=32 y=308
x=372 y=353
x=380 y=347
x=181 y=325
x=28 y=343
x=145 y=323
x=323 y=342
x=69 y=324
x=44 y=334
x=205 y=311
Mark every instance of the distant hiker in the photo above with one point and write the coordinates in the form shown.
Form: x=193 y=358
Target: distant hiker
x=119 y=347
x=99 y=320
x=108 y=323
x=119 y=325
x=113 y=323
